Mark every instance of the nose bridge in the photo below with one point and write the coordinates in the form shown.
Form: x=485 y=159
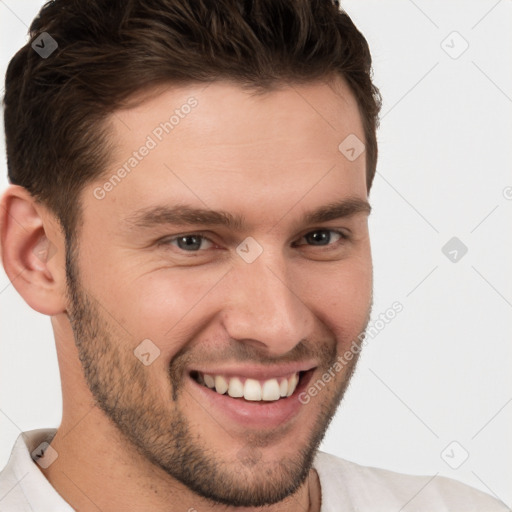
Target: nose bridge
x=264 y=309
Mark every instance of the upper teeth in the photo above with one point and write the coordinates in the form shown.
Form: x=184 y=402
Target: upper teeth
x=251 y=389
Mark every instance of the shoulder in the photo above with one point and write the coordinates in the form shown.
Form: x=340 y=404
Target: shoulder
x=372 y=489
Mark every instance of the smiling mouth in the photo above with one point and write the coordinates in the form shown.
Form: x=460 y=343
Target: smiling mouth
x=269 y=390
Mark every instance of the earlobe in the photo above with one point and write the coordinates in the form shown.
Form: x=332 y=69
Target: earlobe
x=31 y=257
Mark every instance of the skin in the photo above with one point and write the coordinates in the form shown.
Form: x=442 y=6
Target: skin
x=270 y=157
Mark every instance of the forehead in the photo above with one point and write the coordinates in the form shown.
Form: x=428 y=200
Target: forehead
x=219 y=146
x=224 y=112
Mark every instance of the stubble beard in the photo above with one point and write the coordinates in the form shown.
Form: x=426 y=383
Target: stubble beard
x=122 y=389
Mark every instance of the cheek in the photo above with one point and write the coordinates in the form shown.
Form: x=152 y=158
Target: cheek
x=341 y=297
x=171 y=305
x=159 y=304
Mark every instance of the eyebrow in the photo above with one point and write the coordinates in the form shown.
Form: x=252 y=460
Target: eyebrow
x=187 y=215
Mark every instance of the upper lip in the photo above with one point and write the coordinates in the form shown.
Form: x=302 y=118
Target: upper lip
x=257 y=372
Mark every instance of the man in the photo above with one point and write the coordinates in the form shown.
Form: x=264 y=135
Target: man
x=196 y=227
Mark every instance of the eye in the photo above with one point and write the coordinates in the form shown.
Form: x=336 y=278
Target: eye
x=324 y=237
x=190 y=242
x=196 y=242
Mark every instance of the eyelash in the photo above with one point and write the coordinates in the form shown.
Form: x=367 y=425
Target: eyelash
x=343 y=238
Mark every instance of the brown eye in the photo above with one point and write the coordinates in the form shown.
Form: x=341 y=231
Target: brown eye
x=318 y=238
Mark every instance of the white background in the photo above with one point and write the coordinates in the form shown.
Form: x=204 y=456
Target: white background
x=440 y=371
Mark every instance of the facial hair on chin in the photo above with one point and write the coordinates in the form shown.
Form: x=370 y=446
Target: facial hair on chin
x=160 y=432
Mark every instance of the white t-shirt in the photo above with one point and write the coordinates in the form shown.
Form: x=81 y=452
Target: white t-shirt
x=345 y=486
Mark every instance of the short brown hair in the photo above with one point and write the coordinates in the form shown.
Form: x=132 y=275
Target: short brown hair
x=56 y=108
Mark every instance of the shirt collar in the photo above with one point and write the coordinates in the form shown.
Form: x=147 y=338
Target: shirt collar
x=38 y=491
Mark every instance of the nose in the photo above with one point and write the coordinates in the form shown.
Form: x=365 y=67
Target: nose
x=263 y=307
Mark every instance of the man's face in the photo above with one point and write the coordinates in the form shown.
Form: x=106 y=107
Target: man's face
x=214 y=306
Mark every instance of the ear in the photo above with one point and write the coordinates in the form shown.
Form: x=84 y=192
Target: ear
x=33 y=251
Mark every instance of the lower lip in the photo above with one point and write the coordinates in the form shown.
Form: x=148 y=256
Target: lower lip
x=261 y=414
